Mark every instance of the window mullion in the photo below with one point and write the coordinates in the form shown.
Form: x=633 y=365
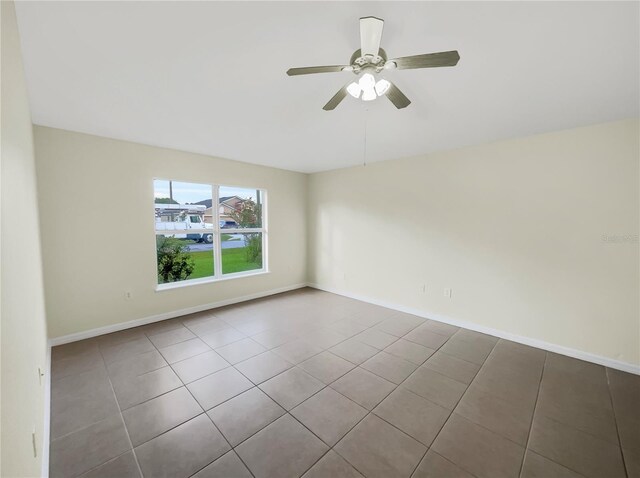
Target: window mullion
x=217 y=250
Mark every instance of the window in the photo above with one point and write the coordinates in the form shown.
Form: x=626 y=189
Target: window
x=208 y=232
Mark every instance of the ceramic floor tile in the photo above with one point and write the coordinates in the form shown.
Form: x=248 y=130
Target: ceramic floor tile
x=508 y=384
x=625 y=393
x=163 y=326
x=329 y=415
x=80 y=451
x=124 y=466
x=297 y=351
x=478 y=450
x=183 y=450
x=121 y=351
x=75 y=364
x=291 y=387
x=326 y=367
x=274 y=337
x=472 y=336
x=262 y=367
x=363 y=387
x=347 y=327
x=183 y=350
x=587 y=416
x=199 y=366
x=284 y=449
x=218 y=387
x=435 y=387
x=121 y=336
x=75 y=349
x=396 y=326
x=629 y=431
x=334 y=466
x=156 y=416
x=241 y=350
x=452 y=367
x=511 y=419
x=410 y=351
x=171 y=337
x=221 y=337
x=476 y=352
x=80 y=400
x=389 y=367
x=375 y=338
x=436 y=466
x=376 y=449
x=579 y=409
x=227 y=466
x=414 y=415
x=537 y=466
x=426 y=337
x=207 y=326
x=197 y=317
x=138 y=389
x=324 y=338
x=574 y=449
x=244 y=415
x=632 y=462
x=134 y=366
x=354 y=351
x=441 y=328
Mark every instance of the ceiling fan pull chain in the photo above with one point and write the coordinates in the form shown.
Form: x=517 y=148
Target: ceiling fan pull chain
x=366 y=117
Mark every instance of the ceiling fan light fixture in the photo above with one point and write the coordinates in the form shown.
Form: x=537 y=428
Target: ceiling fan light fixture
x=369 y=95
x=354 y=90
x=367 y=81
x=382 y=86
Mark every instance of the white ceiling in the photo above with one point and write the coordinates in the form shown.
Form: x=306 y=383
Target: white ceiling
x=209 y=77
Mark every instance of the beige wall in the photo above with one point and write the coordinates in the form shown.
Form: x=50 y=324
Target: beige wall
x=24 y=331
x=96 y=201
x=515 y=228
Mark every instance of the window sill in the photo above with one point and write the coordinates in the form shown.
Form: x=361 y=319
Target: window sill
x=208 y=280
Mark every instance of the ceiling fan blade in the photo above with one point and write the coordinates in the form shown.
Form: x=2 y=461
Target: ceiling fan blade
x=428 y=60
x=337 y=98
x=397 y=97
x=370 y=35
x=309 y=70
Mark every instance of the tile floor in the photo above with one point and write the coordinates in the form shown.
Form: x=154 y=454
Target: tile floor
x=317 y=385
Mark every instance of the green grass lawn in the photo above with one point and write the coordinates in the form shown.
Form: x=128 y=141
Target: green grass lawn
x=233 y=260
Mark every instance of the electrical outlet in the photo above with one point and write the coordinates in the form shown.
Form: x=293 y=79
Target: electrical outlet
x=424 y=288
x=33 y=442
x=447 y=293
x=127 y=294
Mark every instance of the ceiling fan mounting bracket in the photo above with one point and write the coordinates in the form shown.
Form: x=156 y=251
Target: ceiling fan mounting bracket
x=359 y=62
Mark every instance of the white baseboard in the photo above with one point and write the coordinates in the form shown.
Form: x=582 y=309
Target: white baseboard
x=87 y=334
x=559 y=349
x=47 y=416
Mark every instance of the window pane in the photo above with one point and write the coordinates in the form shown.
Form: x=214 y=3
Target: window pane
x=183 y=205
x=241 y=252
x=181 y=258
x=240 y=207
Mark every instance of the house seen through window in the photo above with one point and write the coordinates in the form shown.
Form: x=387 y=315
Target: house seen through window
x=208 y=231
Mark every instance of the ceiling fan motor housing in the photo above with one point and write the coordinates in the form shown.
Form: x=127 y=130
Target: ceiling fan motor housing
x=359 y=62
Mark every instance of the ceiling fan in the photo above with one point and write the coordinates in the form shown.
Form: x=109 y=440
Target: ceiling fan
x=369 y=61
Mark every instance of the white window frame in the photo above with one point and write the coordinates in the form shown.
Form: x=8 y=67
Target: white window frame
x=217 y=232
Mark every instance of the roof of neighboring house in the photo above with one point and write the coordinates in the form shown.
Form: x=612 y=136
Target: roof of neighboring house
x=209 y=202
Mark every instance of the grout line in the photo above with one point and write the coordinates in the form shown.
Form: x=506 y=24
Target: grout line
x=124 y=424
x=615 y=419
x=454 y=407
x=533 y=415
x=299 y=336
